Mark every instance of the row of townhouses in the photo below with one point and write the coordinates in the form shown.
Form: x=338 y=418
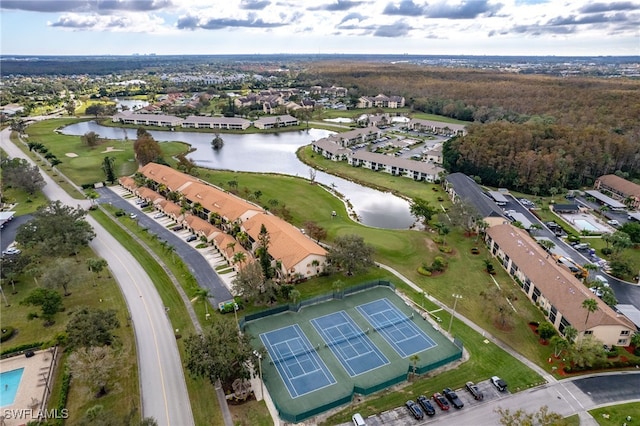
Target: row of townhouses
x=547 y=284
x=201 y=122
x=229 y=223
x=380 y=101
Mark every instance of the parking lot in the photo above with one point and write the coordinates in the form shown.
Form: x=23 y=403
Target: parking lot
x=401 y=416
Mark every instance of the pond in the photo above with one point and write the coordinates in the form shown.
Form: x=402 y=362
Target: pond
x=131 y=104
x=272 y=153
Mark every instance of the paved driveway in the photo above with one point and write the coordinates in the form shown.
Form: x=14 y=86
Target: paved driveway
x=199 y=266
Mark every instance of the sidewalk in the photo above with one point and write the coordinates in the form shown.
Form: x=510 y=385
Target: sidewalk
x=545 y=375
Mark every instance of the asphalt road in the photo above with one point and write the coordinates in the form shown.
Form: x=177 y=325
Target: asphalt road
x=198 y=265
x=566 y=397
x=162 y=384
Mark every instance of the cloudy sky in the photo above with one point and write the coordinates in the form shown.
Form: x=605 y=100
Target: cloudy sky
x=432 y=27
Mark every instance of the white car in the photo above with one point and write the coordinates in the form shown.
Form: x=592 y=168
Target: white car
x=11 y=251
x=133 y=215
x=158 y=215
x=613 y=222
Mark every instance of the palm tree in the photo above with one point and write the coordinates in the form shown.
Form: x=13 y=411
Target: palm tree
x=570 y=333
x=202 y=294
x=294 y=295
x=591 y=306
x=414 y=361
x=239 y=257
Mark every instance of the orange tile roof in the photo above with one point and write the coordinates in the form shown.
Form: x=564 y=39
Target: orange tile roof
x=128 y=182
x=172 y=179
x=201 y=226
x=557 y=285
x=622 y=185
x=286 y=242
x=215 y=200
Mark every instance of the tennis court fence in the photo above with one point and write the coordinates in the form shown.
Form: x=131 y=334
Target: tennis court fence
x=295 y=307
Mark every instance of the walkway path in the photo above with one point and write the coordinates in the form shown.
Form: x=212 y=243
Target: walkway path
x=162 y=385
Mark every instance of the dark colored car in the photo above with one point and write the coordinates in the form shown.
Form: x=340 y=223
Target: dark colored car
x=177 y=228
x=426 y=405
x=453 y=398
x=474 y=390
x=415 y=411
x=441 y=401
x=192 y=238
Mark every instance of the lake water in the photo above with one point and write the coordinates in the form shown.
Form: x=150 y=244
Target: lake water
x=131 y=104
x=272 y=153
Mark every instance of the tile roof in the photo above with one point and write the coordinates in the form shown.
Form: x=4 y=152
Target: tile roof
x=621 y=185
x=286 y=242
x=556 y=284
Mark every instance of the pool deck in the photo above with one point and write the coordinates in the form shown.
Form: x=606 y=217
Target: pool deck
x=600 y=226
x=31 y=388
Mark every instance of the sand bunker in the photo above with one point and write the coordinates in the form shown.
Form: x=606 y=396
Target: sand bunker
x=71 y=154
x=111 y=149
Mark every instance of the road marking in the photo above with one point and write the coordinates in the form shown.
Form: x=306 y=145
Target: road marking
x=164 y=393
x=572 y=395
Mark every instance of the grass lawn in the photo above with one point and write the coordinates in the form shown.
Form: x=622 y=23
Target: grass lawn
x=124 y=395
x=617 y=414
x=383 y=181
x=87 y=166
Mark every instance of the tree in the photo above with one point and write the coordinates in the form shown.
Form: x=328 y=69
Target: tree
x=620 y=241
x=443 y=230
x=94 y=109
x=249 y=281
x=591 y=305
x=559 y=345
x=548 y=245
x=420 y=208
x=56 y=228
x=49 y=301
x=315 y=231
x=263 y=252
x=217 y=143
x=463 y=214
x=414 y=364
x=12 y=266
x=96 y=265
x=608 y=296
x=350 y=254
x=92 y=327
x=239 y=257
x=570 y=333
x=95 y=366
x=546 y=331
x=632 y=229
x=587 y=352
x=18 y=173
x=203 y=294
x=108 y=167
x=220 y=353
x=520 y=417
x=294 y=296
x=91 y=139
x=146 y=148
x=62 y=274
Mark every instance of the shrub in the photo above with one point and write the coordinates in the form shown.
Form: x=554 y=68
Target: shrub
x=424 y=271
x=7 y=333
x=438 y=239
x=445 y=249
x=120 y=213
x=606 y=251
x=21 y=348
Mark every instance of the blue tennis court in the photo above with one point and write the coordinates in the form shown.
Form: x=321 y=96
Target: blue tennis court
x=355 y=351
x=297 y=362
x=395 y=327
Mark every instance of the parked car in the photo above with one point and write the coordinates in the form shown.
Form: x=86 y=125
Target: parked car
x=10 y=251
x=453 y=398
x=441 y=401
x=426 y=405
x=500 y=384
x=191 y=238
x=415 y=411
x=358 y=420
x=474 y=390
x=158 y=215
x=613 y=222
x=177 y=228
x=133 y=215
x=140 y=201
x=143 y=205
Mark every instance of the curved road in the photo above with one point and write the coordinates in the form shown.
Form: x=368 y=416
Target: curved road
x=162 y=384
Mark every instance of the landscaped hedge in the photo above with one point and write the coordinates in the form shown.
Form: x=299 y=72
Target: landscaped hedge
x=7 y=333
x=21 y=348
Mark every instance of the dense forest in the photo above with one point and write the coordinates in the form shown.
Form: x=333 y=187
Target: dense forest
x=530 y=132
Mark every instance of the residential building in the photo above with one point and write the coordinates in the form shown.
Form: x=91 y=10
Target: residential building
x=416 y=170
x=138 y=119
x=461 y=188
x=275 y=122
x=554 y=289
x=620 y=189
x=227 y=123
x=216 y=214
x=331 y=150
x=437 y=127
x=381 y=101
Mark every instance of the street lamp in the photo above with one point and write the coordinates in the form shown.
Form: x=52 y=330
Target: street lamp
x=256 y=353
x=453 y=312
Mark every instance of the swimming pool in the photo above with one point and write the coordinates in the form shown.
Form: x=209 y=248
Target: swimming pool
x=9 y=382
x=584 y=224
